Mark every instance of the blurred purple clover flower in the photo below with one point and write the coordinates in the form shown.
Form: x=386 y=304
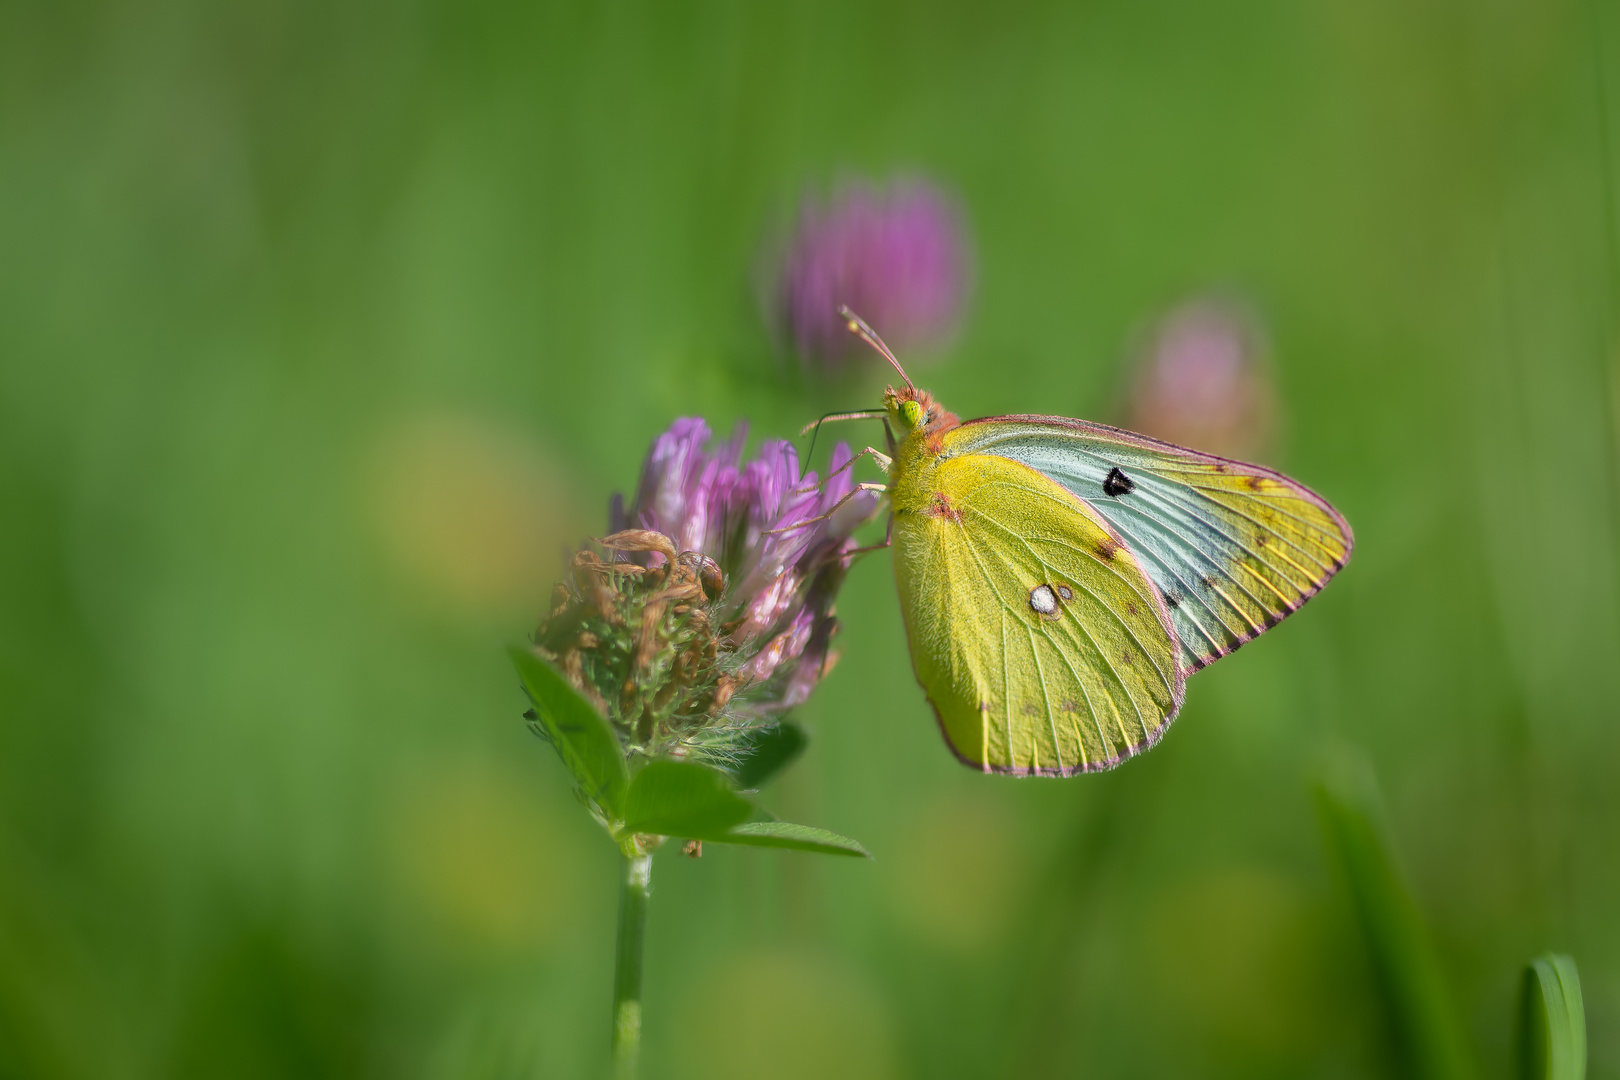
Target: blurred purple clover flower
x=697 y=622
x=1202 y=381
x=899 y=257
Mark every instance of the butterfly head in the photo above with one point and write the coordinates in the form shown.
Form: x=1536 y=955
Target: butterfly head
x=915 y=412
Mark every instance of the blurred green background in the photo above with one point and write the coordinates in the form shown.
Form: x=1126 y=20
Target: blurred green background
x=324 y=326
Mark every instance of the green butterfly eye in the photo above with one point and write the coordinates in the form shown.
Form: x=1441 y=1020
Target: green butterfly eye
x=911 y=413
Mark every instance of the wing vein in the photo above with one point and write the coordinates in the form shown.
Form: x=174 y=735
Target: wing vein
x=1169 y=685
x=1046 y=696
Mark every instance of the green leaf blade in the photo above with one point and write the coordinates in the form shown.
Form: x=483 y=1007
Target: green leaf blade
x=581 y=736
x=768 y=751
x=683 y=798
x=785 y=834
x=1553 y=1037
x=1575 y=1004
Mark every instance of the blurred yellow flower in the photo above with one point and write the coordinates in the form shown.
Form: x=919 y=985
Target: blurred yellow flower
x=788 y=1015
x=470 y=514
x=1235 y=951
x=481 y=856
x=954 y=875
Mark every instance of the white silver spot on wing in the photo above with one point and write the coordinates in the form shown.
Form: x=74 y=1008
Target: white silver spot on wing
x=1042 y=600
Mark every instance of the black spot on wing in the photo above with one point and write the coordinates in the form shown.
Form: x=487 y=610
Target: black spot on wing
x=1117 y=483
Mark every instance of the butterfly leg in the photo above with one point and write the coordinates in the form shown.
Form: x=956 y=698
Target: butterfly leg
x=888 y=541
x=883 y=461
x=830 y=510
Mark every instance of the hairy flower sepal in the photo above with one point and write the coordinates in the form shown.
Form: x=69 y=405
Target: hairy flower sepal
x=665 y=797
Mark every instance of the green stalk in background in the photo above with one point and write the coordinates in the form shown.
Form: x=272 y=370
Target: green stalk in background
x=1421 y=1010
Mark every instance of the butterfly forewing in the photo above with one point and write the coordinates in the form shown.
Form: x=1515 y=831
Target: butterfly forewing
x=1232 y=548
x=1041 y=643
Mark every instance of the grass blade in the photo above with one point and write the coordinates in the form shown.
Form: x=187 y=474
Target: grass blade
x=1553 y=1021
x=1425 y=1018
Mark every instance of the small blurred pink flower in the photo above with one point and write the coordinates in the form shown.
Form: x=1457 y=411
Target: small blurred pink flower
x=1202 y=381
x=896 y=256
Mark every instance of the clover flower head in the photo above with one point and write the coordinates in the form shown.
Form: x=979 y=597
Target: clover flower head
x=897 y=256
x=708 y=610
x=1202 y=381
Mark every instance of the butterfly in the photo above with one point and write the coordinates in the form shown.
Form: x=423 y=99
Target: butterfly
x=1060 y=579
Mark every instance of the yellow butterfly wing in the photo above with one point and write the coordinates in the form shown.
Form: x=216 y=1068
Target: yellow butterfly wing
x=1233 y=548
x=1039 y=638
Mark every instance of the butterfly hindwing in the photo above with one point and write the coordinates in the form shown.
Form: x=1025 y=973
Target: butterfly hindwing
x=1042 y=644
x=1232 y=548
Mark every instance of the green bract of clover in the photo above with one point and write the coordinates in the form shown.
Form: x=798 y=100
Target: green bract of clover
x=664 y=797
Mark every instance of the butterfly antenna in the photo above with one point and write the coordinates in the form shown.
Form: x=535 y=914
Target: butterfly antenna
x=814 y=429
x=833 y=417
x=858 y=327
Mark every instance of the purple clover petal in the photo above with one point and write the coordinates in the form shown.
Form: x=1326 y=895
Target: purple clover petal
x=858 y=510
x=853 y=514
x=776 y=474
x=766 y=607
x=839 y=479
x=693 y=528
x=780 y=550
x=782 y=648
x=774 y=479
x=708 y=532
x=812 y=664
x=779 y=586
x=666 y=480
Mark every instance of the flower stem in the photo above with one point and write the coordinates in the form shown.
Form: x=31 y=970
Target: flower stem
x=633 y=893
